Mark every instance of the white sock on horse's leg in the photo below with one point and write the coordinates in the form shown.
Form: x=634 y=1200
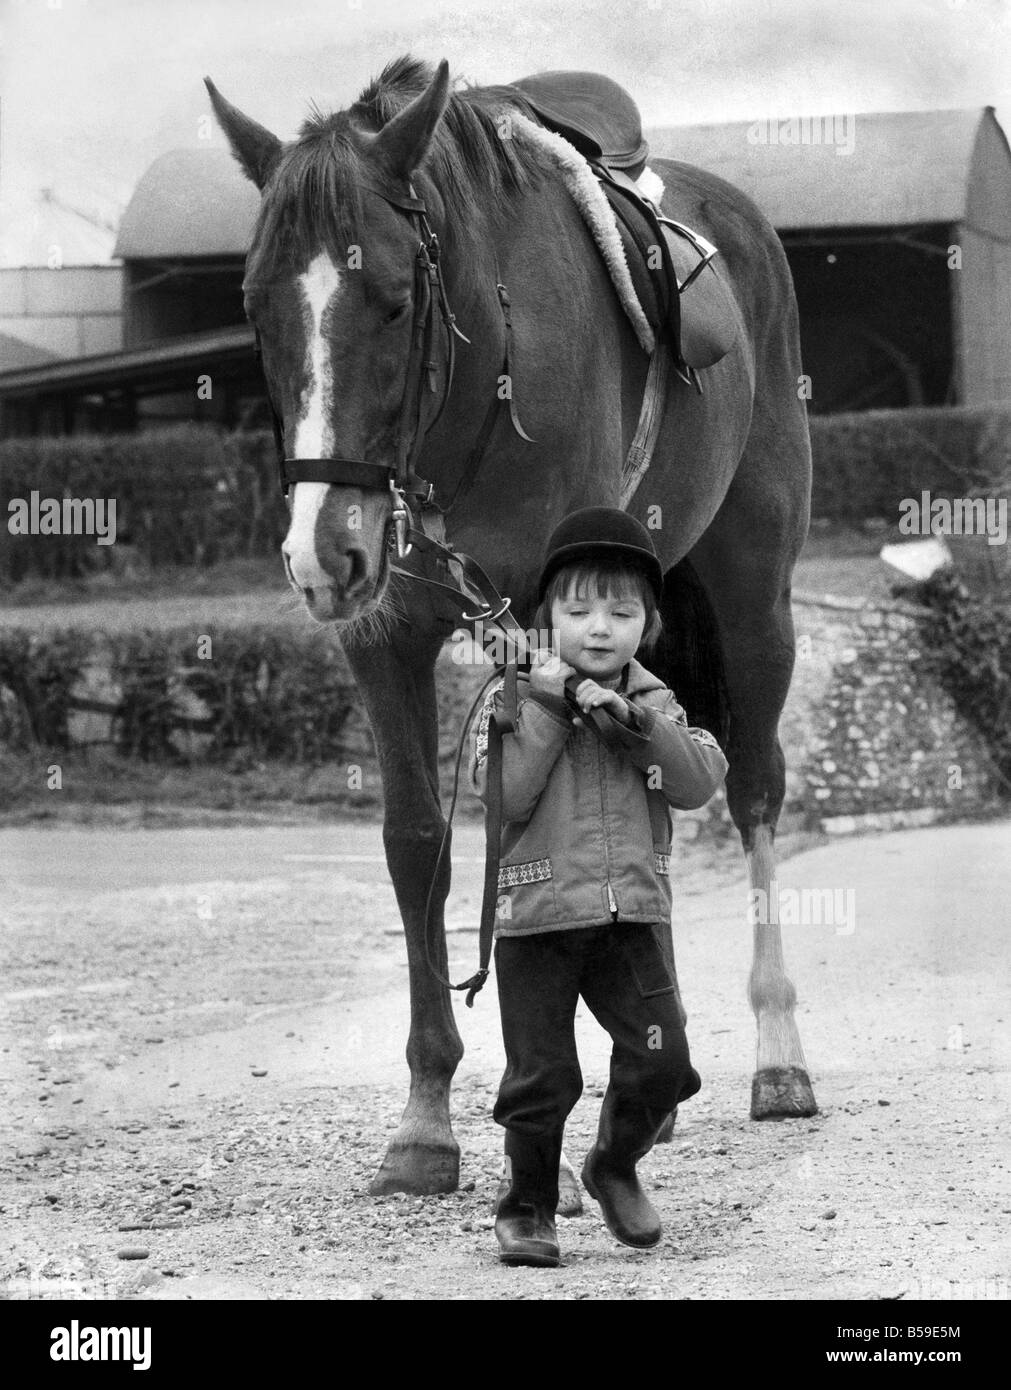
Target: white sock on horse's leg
x=570 y=1196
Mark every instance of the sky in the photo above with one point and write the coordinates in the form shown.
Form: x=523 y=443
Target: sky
x=92 y=91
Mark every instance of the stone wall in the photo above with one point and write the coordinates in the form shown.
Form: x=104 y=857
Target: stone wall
x=870 y=740
x=884 y=738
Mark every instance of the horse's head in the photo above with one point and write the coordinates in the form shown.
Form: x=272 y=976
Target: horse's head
x=330 y=287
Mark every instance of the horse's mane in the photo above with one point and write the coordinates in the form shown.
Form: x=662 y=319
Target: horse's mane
x=313 y=198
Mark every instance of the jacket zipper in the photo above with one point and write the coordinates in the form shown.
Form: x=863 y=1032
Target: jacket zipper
x=612 y=904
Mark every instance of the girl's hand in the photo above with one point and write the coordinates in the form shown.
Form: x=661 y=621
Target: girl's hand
x=548 y=673
x=590 y=695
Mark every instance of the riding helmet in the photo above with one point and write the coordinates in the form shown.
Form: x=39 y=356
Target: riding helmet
x=594 y=529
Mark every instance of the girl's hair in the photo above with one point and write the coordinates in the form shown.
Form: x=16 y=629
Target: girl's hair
x=606 y=576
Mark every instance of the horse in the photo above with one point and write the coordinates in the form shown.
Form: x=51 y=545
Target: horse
x=332 y=287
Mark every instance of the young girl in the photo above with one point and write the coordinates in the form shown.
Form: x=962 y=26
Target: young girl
x=585 y=897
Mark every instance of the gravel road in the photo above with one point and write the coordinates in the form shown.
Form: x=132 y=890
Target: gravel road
x=202 y=1040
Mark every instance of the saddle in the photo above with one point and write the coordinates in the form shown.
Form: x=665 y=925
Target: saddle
x=591 y=112
x=684 y=296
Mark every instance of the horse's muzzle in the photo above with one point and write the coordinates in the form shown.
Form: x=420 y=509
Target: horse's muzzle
x=338 y=587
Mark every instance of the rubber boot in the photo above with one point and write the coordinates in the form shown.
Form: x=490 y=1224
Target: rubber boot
x=626 y=1132
x=525 y=1221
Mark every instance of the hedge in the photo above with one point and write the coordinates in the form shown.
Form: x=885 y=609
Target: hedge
x=36 y=678
x=265 y=692
x=866 y=463
x=193 y=495
x=187 y=495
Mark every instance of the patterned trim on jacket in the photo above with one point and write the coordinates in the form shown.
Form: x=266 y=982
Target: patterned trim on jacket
x=661 y=862
x=481 y=743
x=533 y=871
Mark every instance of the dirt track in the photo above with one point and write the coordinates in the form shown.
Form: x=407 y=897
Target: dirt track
x=137 y=1017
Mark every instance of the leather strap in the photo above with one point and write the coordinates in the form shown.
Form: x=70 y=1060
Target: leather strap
x=491 y=415
x=473 y=985
x=506 y=303
x=411 y=428
x=647 y=430
x=352 y=472
x=502 y=721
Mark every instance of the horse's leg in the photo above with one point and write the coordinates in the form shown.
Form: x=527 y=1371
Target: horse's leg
x=398 y=686
x=751 y=598
x=780 y=1087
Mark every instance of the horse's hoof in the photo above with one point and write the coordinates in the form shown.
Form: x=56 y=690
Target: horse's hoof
x=419 y=1169
x=782 y=1093
x=570 y=1199
x=666 y=1133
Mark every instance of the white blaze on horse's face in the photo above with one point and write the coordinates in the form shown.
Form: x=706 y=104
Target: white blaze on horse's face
x=319 y=287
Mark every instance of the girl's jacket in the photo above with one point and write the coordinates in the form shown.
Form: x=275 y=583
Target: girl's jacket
x=586 y=828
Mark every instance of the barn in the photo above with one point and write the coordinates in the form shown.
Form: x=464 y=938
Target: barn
x=181 y=243
x=897 y=227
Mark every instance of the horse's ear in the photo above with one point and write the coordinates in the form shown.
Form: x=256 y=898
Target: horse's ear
x=403 y=142
x=254 y=148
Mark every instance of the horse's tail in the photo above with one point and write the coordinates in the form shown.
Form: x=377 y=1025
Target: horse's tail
x=689 y=654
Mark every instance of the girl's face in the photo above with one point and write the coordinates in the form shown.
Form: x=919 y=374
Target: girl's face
x=598 y=635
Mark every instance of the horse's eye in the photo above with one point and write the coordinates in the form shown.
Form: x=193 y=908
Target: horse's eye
x=395 y=314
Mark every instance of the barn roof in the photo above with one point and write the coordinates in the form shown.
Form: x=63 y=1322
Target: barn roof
x=16 y=354
x=150 y=366
x=905 y=167
x=190 y=202
x=889 y=168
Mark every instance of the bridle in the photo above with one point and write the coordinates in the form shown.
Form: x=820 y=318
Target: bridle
x=422 y=403
x=421 y=406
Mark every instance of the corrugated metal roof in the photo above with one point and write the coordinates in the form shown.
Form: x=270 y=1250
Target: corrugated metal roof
x=15 y=354
x=136 y=365
x=904 y=166
x=189 y=203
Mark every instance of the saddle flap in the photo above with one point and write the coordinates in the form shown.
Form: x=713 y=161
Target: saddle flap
x=590 y=111
x=699 y=311
x=709 y=319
